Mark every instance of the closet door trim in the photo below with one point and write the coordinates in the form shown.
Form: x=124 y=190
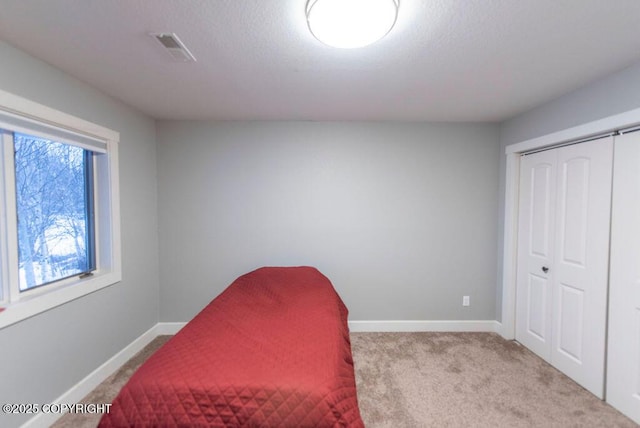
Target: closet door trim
x=513 y=153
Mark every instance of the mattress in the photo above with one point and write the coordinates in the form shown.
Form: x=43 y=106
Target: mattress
x=272 y=350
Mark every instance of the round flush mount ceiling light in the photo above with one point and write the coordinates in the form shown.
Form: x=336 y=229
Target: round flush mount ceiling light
x=351 y=23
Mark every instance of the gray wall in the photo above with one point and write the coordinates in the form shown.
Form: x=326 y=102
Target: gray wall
x=42 y=357
x=611 y=95
x=400 y=216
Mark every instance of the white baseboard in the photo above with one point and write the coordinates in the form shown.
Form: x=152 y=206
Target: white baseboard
x=385 y=326
x=91 y=381
x=164 y=328
x=422 y=325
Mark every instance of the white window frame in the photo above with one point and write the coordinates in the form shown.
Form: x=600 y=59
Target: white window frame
x=22 y=115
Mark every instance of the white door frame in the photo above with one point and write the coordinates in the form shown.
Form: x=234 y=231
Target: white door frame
x=624 y=120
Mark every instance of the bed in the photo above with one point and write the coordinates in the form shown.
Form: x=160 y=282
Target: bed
x=272 y=350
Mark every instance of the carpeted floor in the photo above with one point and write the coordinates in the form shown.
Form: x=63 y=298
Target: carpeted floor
x=416 y=380
x=467 y=380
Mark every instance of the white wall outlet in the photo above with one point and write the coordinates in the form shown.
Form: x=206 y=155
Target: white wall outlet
x=465 y=301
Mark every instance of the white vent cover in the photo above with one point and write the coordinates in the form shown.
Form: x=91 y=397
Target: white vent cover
x=174 y=46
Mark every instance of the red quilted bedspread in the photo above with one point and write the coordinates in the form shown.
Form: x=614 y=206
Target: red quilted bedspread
x=272 y=350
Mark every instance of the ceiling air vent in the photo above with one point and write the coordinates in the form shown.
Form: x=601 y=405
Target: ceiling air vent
x=174 y=46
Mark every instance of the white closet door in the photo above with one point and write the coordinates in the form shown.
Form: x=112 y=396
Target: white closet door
x=581 y=266
x=535 y=251
x=623 y=366
x=563 y=256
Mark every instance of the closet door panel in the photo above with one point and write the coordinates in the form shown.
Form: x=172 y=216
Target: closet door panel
x=536 y=316
x=535 y=251
x=571 y=322
x=573 y=209
x=580 y=268
x=623 y=357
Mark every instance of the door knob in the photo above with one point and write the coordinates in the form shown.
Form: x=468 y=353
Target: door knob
x=545 y=269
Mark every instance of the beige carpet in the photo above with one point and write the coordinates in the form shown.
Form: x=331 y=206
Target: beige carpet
x=467 y=380
x=418 y=380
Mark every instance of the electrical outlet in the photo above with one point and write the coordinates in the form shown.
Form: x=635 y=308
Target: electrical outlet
x=465 y=301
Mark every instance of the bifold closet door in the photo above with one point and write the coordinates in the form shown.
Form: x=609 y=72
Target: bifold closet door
x=623 y=358
x=563 y=258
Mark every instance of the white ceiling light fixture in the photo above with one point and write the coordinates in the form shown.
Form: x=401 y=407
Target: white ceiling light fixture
x=351 y=23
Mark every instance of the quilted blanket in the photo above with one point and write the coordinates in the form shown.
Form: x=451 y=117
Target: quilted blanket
x=272 y=350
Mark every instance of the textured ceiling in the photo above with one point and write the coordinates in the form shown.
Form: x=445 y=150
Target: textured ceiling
x=445 y=60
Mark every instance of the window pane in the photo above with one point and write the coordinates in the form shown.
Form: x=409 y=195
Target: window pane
x=55 y=210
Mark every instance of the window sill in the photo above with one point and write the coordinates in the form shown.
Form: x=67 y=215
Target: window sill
x=11 y=313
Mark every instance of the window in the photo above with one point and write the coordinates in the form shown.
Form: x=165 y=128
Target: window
x=59 y=208
x=54 y=203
